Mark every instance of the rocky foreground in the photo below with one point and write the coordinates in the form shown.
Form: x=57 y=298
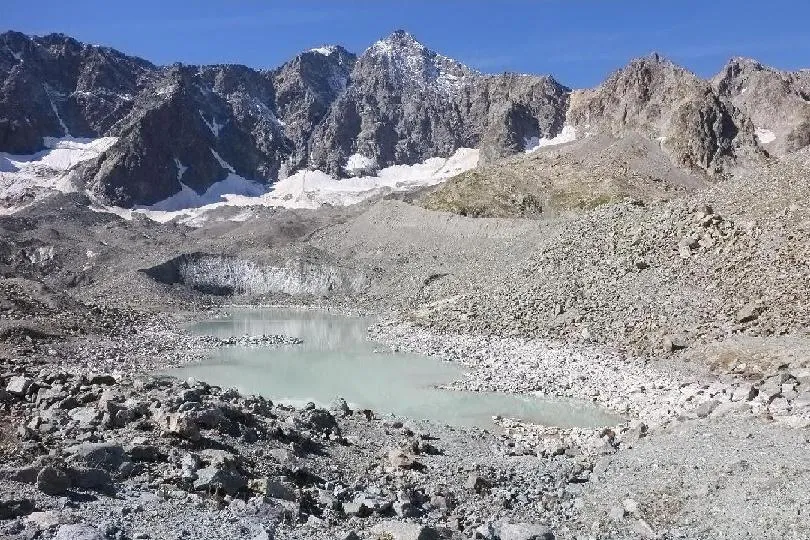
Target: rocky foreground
x=92 y=455
x=88 y=453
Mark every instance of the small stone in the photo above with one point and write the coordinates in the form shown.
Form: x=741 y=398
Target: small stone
x=401 y=459
x=705 y=409
x=477 y=483
x=748 y=313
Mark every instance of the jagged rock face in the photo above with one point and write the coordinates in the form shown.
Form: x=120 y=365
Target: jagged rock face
x=518 y=108
x=195 y=126
x=777 y=102
x=398 y=103
x=56 y=86
x=405 y=103
x=652 y=96
x=305 y=89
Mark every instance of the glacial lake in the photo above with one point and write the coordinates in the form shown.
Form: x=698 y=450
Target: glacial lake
x=336 y=360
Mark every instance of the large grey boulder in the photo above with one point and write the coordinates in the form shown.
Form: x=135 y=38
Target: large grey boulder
x=53 y=481
x=107 y=456
x=525 y=531
x=78 y=532
x=19 y=385
x=399 y=530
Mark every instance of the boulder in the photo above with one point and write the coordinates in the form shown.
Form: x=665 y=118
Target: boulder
x=267 y=487
x=748 y=312
x=53 y=481
x=102 y=379
x=744 y=392
x=356 y=508
x=90 y=478
x=26 y=475
x=216 y=479
x=19 y=386
x=402 y=460
x=398 y=530
x=340 y=408
x=47 y=519
x=107 y=456
x=181 y=425
x=144 y=452
x=78 y=532
x=705 y=409
x=318 y=420
x=14 y=508
x=525 y=531
x=477 y=483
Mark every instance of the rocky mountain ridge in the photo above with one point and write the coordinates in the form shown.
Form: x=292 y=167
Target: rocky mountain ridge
x=184 y=127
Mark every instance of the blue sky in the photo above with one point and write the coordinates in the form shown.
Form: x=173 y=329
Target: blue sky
x=577 y=41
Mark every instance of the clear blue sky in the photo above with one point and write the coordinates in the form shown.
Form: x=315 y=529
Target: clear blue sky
x=577 y=41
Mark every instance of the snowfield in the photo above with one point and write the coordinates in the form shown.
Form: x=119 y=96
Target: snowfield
x=304 y=190
x=49 y=169
x=764 y=136
x=568 y=134
x=52 y=169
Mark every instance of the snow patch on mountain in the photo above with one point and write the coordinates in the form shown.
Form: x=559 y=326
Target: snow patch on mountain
x=222 y=163
x=568 y=134
x=326 y=50
x=51 y=93
x=17 y=56
x=764 y=136
x=181 y=169
x=213 y=125
x=358 y=164
x=51 y=168
x=187 y=197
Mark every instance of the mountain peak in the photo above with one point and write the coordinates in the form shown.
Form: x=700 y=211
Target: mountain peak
x=402 y=37
x=399 y=40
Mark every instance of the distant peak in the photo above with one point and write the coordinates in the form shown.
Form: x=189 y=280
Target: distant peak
x=744 y=62
x=325 y=50
x=398 y=40
x=401 y=36
x=654 y=58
